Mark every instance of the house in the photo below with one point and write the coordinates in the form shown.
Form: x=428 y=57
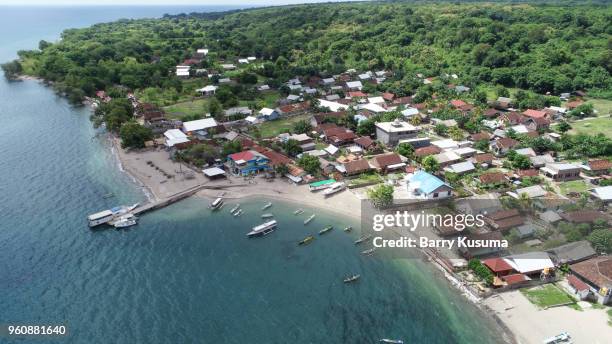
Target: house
x=525 y=231
x=535 y=113
x=465 y=152
x=410 y=112
x=539 y=161
x=511 y=118
x=175 y=136
x=503 y=145
x=481 y=136
x=492 y=178
x=534 y=191
x=275 y=158
x=503 y=220
x=263 y=88
x=529 y=152
x=498 y=266
x=485 y=159
x=207 y=90
x=503 y=103
x=331 y=150
x=425 y=151
x=537 y=123
x=354 y=85
x=247 y=162
x=583 y=216
x=561 y=172
x=603 y=194
x=598 y=167
x=358 y=166
x=550 y=216
x=597 y=274
x=387 y=162
x=388 y=96
x=574 y=104
x=182 y=71
x=293 y=109
x=492 y=113
x=572 y=252
x=364 y=142
x=580 y=290
x=239 y=111
x=389 y=133
x=446 y=158
x=461 y=168
x=328 y=81
x=228 y=66
x=267 y=114
x=427 y=186
x=203 y=124
x=531 y=263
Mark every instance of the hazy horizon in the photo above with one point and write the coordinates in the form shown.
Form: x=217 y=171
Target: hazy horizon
x=192 y=3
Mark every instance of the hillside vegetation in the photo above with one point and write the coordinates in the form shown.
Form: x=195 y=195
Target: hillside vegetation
x=544 y=48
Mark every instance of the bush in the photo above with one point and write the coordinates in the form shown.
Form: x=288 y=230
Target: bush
x=481 y=270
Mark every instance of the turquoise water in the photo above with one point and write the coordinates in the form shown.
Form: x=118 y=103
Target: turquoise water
x=184 y=275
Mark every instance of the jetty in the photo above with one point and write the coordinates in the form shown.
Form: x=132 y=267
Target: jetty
x=179 y=196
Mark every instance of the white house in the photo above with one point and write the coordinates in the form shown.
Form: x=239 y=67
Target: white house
x=202 y=51
x=175 y=136
x=390 y=133
x=199 y=124
x=354 y=85
x=267 y=114
x=207 y=90
x=182 y=71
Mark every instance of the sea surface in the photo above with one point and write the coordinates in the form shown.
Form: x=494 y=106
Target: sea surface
x=184 y=274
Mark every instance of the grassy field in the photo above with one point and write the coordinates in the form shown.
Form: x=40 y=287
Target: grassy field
x=603 y=106
x=573 y=186
x=593 y=126
x=179 y=110
x=547 y=295
x=279 y=126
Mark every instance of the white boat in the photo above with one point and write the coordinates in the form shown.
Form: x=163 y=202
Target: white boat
x=263 y=229
x=393 y=341
x=336 y=187
x=362 y=239
x=268 y=205
x=560 y=338
x=267 y=216
x=298 y=212
x=124 y=221
x=238 y=213
x=235 y=208
x=310 y=218
x=107 y=216
x=351 y=279
x=368 y=252
x=216 y=204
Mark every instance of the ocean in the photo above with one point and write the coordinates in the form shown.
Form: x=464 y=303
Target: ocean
x=184 y=274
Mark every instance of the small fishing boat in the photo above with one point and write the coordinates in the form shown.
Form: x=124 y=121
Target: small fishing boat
x=263 y=229
x=325 y=230
x=125 y=221
x=348 y=229
x=235 y=208
x=298 y=212
x=351 y=279
x=307 y=240
x=268 y=205
x=310 y=218
x=362 y=239
x=267 y=216
x=108 y=195
x=238 y=213
x=216 y=204
x=368 y=252
x=393 y=341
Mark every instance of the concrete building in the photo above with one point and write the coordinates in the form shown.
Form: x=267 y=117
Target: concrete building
x=390 y=133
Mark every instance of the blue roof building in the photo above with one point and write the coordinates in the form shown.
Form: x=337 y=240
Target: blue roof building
x=424 y=185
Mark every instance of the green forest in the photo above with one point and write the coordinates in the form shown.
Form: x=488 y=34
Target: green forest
x=538 y=47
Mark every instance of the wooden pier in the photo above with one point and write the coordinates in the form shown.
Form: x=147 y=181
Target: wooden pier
x=164 y=202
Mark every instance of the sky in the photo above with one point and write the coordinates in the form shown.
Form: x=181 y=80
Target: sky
x=157 y=2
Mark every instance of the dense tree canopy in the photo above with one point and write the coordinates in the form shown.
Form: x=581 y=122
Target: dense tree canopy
x=545 y=48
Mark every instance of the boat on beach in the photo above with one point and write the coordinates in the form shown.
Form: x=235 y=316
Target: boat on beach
x=263 y=229
x=216 y=204
x=348 y=229
x=393 y=341
x=351 y=279
x=362 y=239
x=267 y=216
x=307 y=240
x=368 y=252
x=334 y=188
x=298 y=212
x=268 y=205
x=325 y=230
x=310 y=218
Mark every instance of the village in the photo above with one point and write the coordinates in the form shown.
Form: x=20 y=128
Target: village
x=442 y=143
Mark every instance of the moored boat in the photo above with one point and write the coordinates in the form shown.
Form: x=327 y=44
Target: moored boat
x=336 y=187
x=351 y=279
x=362 y=239
x=238 y=212
x=263 y=229
x=235 y=208
x=109 y=215
x=348 y=229
x=325 y=230
x=267 y=216
x=368 y=252
x=298 y=212
x=392 y=341
x=216 y=204
x=268 y=205
x=310 y=218
x=307 y=240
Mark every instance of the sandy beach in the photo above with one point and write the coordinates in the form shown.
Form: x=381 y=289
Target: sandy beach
x=526 y=322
